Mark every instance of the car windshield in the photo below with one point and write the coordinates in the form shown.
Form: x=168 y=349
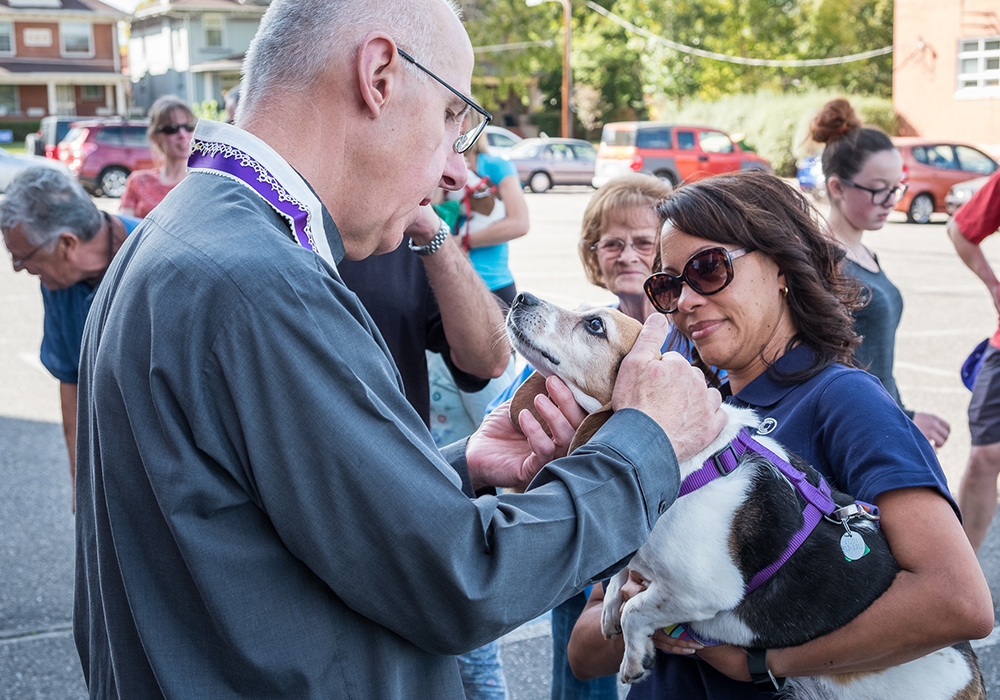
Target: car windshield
x=612 y=136
x=526 y=149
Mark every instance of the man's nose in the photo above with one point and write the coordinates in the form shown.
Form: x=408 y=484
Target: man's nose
x=456 y=173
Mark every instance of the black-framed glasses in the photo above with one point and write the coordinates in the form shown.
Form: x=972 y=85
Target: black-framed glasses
x=881 y=196
x=610 y=247
x=707 y=272
x=171 y=129
x=464 y=141
x=19 y=264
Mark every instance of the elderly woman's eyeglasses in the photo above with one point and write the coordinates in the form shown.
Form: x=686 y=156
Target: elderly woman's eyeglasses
x=707 y=272
x=464 y=141
x=881 y=196
x=611 y=247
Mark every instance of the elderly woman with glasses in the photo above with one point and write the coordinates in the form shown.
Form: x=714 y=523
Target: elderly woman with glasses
x=864 y=174
x=617 y=248
x=757 y=289
x=171 y=124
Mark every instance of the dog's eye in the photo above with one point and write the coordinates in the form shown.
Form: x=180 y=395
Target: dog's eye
x=594 y=325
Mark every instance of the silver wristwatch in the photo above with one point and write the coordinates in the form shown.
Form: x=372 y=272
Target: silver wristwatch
x=439 y=238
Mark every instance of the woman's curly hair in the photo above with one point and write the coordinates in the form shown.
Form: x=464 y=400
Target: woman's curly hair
x=760 y=212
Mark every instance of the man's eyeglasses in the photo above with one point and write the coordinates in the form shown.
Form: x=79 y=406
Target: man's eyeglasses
x=171 y=129
x=611 y=247
x=881 y=196
x=19 y=264
x=464 y=141
x=707 y=272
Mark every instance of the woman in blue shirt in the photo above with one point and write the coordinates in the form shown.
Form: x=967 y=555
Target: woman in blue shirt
x=487 y=247
x=777 y=317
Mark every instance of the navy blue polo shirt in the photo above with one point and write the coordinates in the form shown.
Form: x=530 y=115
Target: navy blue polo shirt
x=65 y=314
x=843 y=423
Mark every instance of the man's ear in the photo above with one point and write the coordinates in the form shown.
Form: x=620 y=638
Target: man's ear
x=67 y=244
x=377 y=63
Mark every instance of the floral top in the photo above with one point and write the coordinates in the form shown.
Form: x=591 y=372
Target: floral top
x=143 y=191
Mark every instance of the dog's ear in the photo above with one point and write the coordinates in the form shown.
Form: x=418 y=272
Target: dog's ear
x=590 y=425
x=524 y=398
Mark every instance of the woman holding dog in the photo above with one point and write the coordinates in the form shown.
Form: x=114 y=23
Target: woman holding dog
x=864 y=179
x=758 y=290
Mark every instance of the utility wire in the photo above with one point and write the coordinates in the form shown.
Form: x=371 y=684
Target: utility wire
x=790 y=63
x=494 y=48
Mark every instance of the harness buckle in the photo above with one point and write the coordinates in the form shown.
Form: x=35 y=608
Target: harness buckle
x=724 y=463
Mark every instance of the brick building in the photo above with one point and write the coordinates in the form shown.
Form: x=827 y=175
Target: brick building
x=60 y=57
x=946 y=69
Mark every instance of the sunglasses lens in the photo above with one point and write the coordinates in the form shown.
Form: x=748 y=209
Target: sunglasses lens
x=709 y=272
x=664 y=291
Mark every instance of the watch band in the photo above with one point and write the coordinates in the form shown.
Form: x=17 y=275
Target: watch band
x=765 y=681
x=439 y=238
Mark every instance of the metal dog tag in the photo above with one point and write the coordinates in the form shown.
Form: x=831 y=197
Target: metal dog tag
x=853 y=546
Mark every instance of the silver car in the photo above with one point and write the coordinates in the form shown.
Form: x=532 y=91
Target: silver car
x=961 y=193
x=11 y=164
x=542 y=163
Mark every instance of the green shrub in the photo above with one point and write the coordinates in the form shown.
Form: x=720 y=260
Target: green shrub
x=776 y=125
x=21 y=127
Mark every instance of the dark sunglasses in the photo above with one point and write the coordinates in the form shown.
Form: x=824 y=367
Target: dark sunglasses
x=707 y=272
x=171 y=129
x=464 y=141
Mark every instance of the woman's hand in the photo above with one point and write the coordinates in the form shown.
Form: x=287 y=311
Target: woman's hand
x=935 y=429
x=661 y=640
x=504 y=455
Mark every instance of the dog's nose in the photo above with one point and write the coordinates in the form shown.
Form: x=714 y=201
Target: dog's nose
x=525 y=299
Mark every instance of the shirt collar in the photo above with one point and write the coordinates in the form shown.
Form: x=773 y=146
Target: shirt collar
x=262 y=169
x=765 y=391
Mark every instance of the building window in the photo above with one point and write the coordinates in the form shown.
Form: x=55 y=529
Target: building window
x=8 y=99
x=92 y=93
x=77 y=38
x=979 y=65
x=6 y=38
x=212 y=26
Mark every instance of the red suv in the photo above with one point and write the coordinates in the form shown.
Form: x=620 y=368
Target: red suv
x=102 y=153
x=671 y=152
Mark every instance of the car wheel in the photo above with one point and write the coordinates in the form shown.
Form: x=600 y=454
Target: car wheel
x=112 y=181
x=539 y=182
x=920 y=209
x=667 y=177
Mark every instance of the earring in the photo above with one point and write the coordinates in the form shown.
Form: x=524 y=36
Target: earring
x=785 y=291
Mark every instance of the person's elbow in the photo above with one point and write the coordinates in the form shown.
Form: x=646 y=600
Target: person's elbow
x=973 y=611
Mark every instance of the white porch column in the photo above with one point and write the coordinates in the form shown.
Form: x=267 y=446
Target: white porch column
x=207 y=86
x=120 y=99
x=51 y=92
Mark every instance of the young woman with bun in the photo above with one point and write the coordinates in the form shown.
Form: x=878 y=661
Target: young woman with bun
x=864 y=174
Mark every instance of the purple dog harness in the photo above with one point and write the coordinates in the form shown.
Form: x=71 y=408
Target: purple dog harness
x=819 y=505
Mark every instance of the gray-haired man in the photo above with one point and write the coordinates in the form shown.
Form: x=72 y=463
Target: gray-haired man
x=53 y=230
x=265 y=514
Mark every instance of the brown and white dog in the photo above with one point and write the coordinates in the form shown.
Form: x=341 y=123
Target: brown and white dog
x=711 y=543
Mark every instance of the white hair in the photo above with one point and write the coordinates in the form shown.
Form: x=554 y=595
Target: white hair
x=297 y=38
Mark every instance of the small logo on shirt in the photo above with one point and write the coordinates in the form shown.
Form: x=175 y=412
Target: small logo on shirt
x=767 y=426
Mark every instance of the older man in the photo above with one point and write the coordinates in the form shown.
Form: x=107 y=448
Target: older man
x=265 y=514
x=53 y=230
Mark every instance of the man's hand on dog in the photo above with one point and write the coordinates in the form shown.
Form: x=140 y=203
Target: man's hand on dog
x=670 y=391
x=500 y=454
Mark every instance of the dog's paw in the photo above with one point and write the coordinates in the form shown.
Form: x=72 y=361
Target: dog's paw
x=611 y=622
x=637 y=661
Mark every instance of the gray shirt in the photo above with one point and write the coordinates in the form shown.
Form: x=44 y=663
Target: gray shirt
x=876 y=323
x=260 y=511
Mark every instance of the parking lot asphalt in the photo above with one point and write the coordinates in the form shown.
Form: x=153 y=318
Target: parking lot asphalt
x=946 y=313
